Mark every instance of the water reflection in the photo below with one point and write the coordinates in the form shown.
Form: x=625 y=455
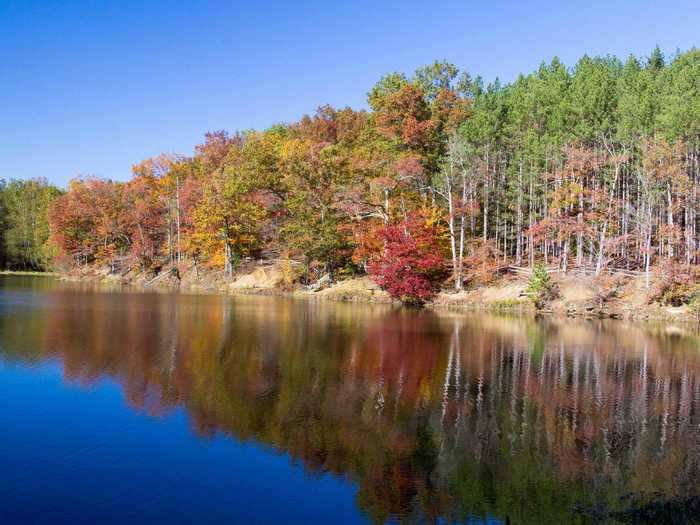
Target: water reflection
x=433 y=415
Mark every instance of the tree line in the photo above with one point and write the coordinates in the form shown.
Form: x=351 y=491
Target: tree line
x=442 y=180
x=24 y=228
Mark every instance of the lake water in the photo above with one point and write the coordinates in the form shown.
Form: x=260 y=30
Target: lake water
x=122 y=407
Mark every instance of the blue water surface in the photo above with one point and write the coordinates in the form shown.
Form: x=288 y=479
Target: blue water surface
x=72 y=454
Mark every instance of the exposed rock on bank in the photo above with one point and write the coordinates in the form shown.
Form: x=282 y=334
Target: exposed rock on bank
x=361 y=289
x=262 y=278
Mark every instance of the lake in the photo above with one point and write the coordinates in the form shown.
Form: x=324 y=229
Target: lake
x=125 y=407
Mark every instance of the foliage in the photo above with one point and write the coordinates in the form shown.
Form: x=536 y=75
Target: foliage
x=412 y=266
x=90 y=222
x=290 y=273
x=227 y=219
x=24 y=224
x=676 y=285
x=540 y=288
x=590 y=166
x=481 y=263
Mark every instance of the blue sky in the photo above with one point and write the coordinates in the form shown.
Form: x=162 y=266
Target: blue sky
x=92 y=87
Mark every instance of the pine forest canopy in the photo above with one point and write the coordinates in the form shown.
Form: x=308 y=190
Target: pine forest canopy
x=594 y=165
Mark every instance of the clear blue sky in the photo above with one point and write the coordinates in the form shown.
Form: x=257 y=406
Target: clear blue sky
x=91 y=87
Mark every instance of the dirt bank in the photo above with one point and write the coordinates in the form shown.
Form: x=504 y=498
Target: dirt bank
x=576 y=295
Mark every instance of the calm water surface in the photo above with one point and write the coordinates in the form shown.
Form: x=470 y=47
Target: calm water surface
x=159 y=408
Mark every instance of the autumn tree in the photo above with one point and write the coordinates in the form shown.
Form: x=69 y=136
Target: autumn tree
x=228 y=218
x=313 y=173
x=412 y=266
x=591 y=166
x=88 y=221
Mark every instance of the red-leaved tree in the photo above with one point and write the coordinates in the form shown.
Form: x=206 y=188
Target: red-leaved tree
x=412 y=266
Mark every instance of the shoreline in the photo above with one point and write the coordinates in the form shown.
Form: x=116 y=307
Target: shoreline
x=29 y=273
x=576 y=300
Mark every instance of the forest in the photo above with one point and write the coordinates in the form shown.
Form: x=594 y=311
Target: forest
x=24 y=230
x=441 y=183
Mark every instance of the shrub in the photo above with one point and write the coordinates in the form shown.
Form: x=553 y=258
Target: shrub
x=412 y=267
x=290 y=273
x=506 y=305
x=540 y=288
x=678 y=294
x=481 y=263
x=694 y=304
x=675 y=285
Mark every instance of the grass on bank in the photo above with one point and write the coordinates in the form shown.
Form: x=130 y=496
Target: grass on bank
x=20 y=272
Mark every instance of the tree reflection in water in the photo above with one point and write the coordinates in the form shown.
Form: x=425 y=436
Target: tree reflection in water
x=432 y=415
